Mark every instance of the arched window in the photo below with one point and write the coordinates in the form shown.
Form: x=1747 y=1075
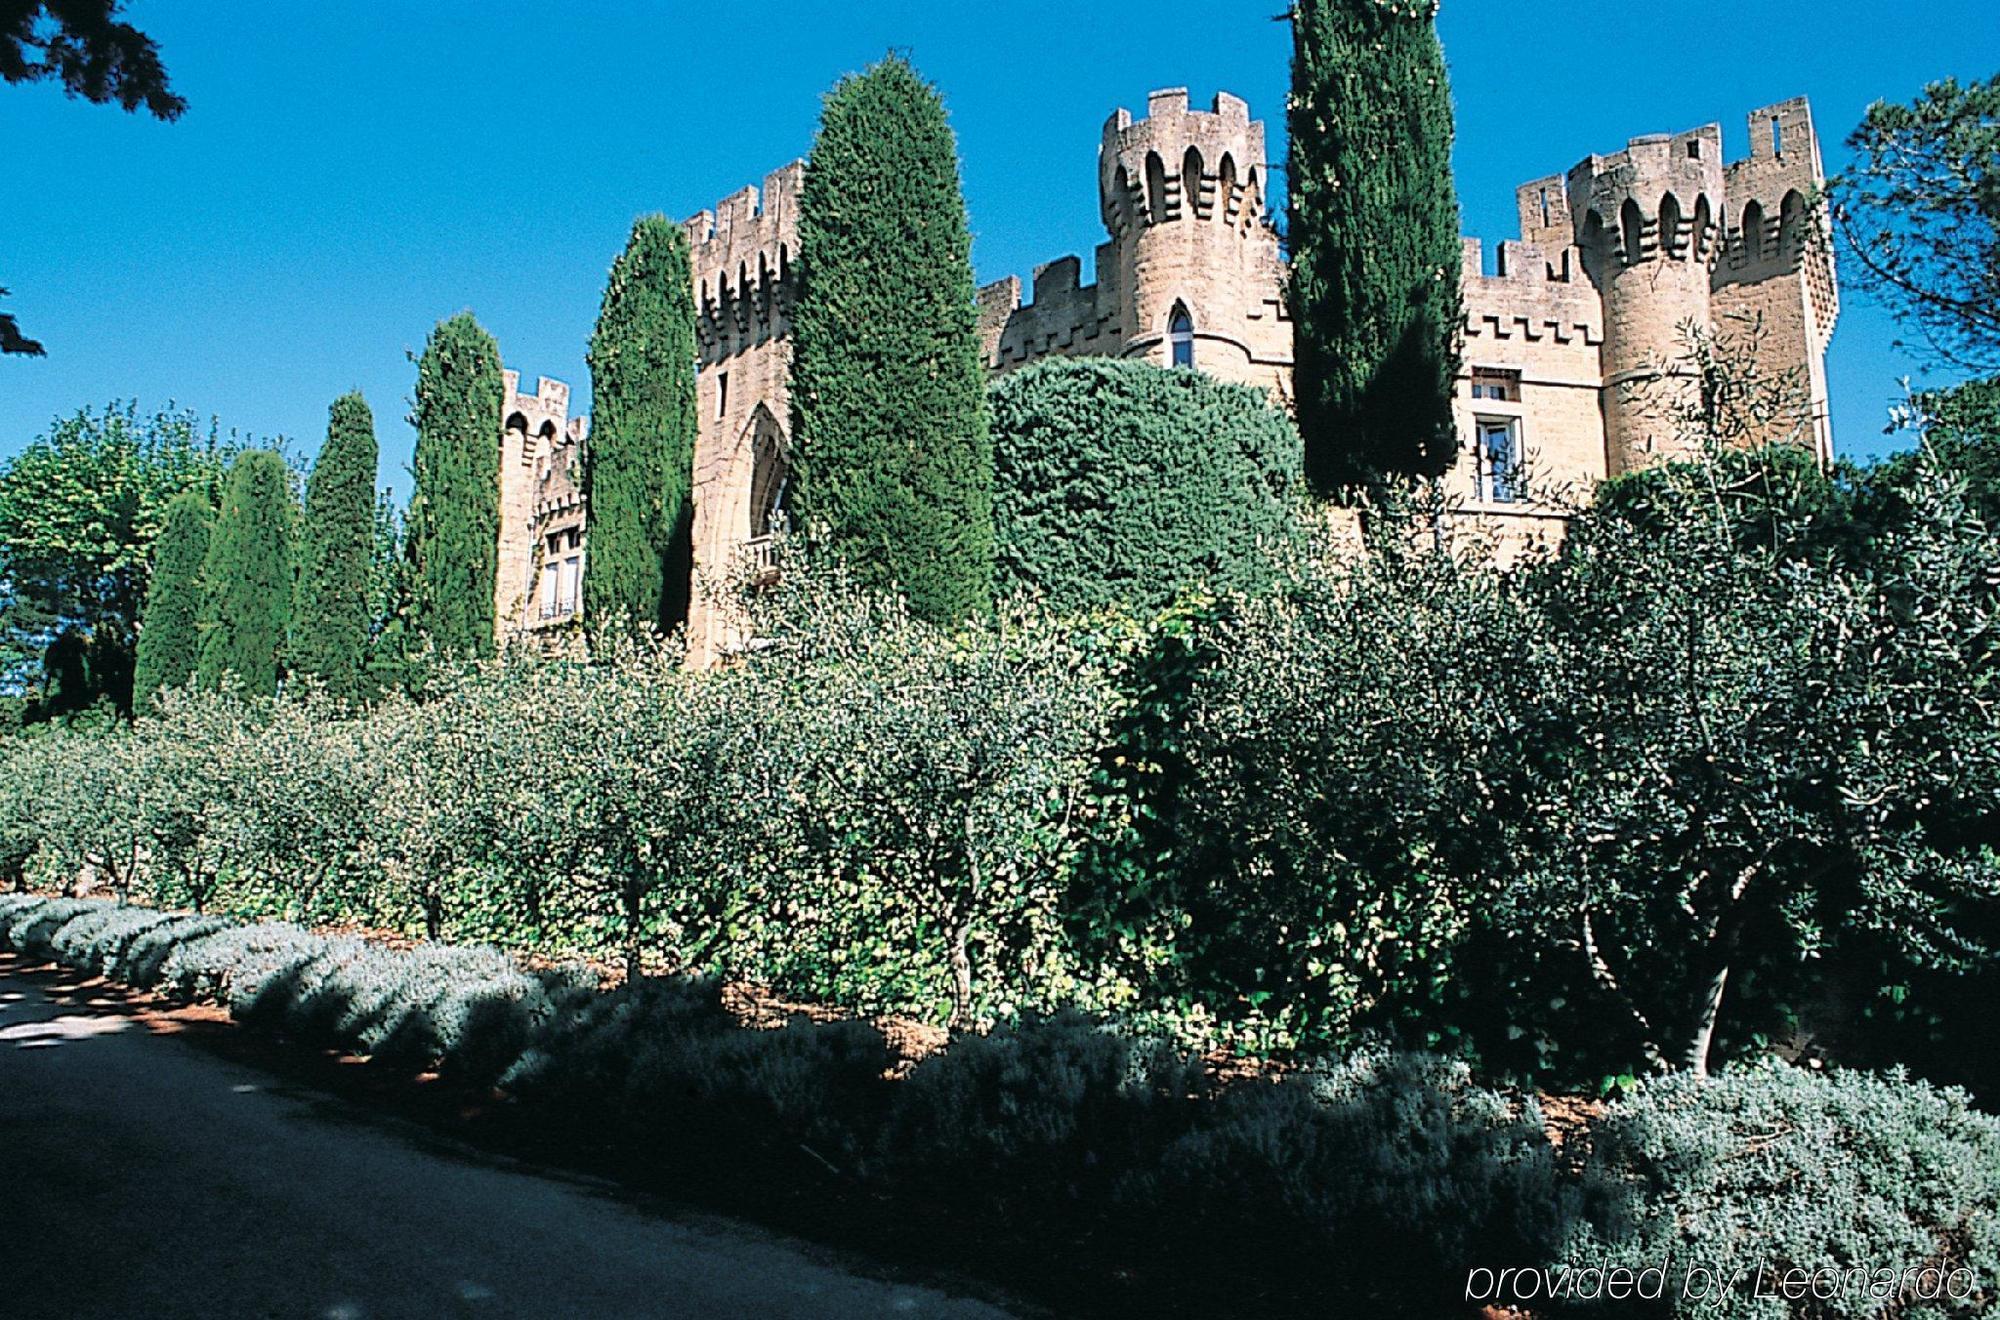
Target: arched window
x=1632 y=232
x=1670 y=227
x=517 y=438
x=1192 y=198
x=1118 y=206
x=1791 y=225
x=1180 y=336
x=1225 y=188
x=770 y=476
x=1704 y=220
x=1156 y=189
x=1753 y=232
x=545 y=438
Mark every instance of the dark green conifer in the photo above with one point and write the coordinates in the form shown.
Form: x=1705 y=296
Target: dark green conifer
x=1374 y=233
x=895 y=465
x=330 y=640
x=169 y=629
x=640 y=473
x=247 y=578
x=454 y=520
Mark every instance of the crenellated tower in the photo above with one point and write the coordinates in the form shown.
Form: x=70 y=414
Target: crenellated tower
x=541 y=480
x=1190 y=269
x=1182 y=194
x=1774 y=263
x=742 y=256
x=1646 y=232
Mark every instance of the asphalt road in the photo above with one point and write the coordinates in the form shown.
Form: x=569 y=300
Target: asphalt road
x=141 y=1176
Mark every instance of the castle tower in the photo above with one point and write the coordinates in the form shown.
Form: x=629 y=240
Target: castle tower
x=1774 y=266
x=540 y=448
x=1196 y=271
x=1646 y=223
x=744 y=283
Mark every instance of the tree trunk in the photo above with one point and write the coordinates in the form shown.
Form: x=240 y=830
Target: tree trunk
x=1707 y=1009
x=961 y=979
x=633 y=899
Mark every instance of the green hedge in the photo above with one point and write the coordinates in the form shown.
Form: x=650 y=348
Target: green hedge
x=1383 y=1183
x=1123 y=483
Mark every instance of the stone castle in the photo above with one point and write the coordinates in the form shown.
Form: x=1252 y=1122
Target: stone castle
x=1566 y=341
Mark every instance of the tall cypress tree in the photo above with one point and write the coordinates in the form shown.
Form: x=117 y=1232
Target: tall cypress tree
x=454 y=523
x=330 y=639
x=247 y=578
x=169 y=629
x=640 y=476
x=1374 y=232
x=895 y=465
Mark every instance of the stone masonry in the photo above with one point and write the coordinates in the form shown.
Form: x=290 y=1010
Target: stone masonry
x=1570 y=341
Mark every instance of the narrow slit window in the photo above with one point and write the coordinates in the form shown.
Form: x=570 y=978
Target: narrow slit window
x=721 y=394
x=1180 y=337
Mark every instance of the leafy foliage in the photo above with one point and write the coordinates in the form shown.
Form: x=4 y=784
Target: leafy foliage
x=79 y=510
x=170 y=635
x=1122 y=483
x=640 y=476
x=1374 y=233
x=454 y=517
x=1920 y=210
x=1775 y=1168
x=247 y=577
x=330 y=642
x=82 y=45
x=894 y=460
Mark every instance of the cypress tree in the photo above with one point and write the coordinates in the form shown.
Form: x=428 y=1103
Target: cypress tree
x=330 y=640
x=894 y=462
x=454 y=522
x=247 y=578
x=1374 y=232
x=640 y=475
x=169 y=629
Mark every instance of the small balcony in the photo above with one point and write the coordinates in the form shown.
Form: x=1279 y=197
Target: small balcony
x=562 y=608
x=762 y=552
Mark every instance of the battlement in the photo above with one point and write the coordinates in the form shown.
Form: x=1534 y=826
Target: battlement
x=1179 y=163
x=741 y=253
x=748 y=223
x=1066 y=316
x=550 y=396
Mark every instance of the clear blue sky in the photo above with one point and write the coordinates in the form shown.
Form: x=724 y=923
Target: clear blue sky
x=349 y=172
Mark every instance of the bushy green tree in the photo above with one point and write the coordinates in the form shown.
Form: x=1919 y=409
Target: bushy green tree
x=247 y=578
x=640 y=476
x=1123 y=483
x=331 y=634
x=1919 y=206
x=79 y=509
x=1307 y=798
x=454 y=518
x=1374 y=233
x=895 y=464
x=170 y=634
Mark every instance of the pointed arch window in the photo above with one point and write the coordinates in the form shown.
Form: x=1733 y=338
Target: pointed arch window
x=1156 y=189
x=1180 y=336
x=770 y=478
x=1753 y=232
x=1670 y=228
x=1632 y=231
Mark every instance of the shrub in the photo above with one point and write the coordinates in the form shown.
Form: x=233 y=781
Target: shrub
x=1122 y=484
x=1391 y=1174
x=1050 y=1107
x=1773 y=1166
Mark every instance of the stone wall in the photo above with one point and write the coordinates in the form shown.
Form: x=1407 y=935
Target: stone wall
x=1576 y=326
